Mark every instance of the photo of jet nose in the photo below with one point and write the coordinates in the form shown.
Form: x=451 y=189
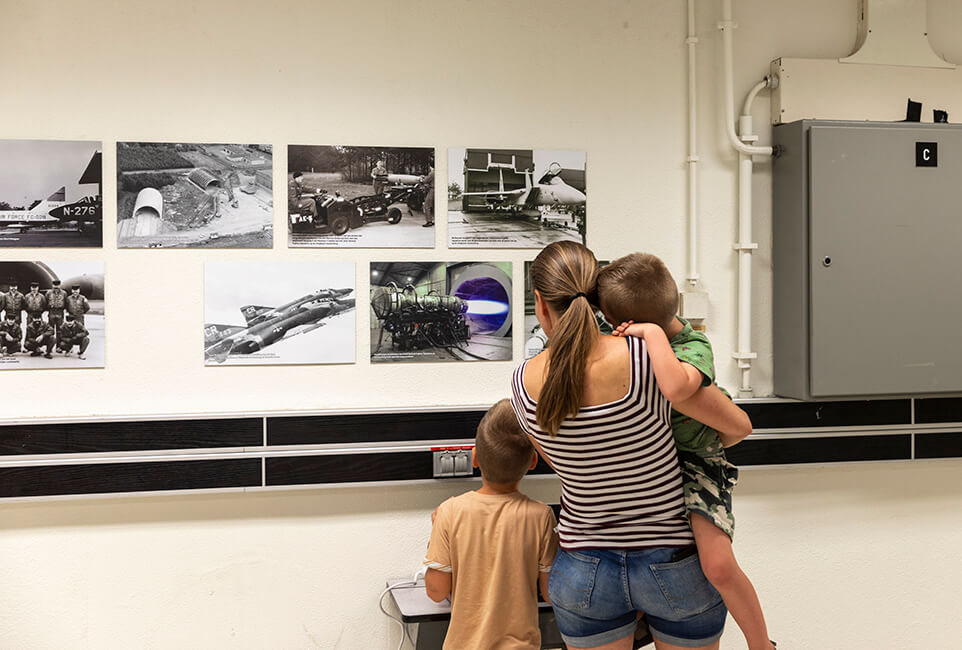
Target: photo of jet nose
x=572 y=196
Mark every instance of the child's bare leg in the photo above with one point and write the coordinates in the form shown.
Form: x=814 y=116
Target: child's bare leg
x=722 y=570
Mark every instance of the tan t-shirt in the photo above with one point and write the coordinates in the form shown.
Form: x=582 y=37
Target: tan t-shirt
x=494 y=545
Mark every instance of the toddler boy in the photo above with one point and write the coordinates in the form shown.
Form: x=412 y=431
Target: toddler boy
x=638 y=291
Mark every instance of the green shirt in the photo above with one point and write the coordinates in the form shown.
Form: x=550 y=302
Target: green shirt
x=693 y=347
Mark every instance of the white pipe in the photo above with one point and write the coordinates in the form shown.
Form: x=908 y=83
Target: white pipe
x=745 y=246
x=760 y=86
x=692 y=40
x=743 y=354
x=726 y=26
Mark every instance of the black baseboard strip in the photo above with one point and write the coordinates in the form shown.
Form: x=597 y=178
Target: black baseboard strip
x=939 y=409
x=50 y=480
x=938 y=445
x=793 y=415
x=827 y=449
x=349 y=468
x=150 y=435
x=375 y=427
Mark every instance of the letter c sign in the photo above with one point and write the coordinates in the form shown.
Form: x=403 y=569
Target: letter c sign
x=926 y=154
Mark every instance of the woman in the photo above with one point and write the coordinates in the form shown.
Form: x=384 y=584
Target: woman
x=592 y=408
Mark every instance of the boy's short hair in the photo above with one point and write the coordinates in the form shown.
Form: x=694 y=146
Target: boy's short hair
x=640 y=288
x=503 y=449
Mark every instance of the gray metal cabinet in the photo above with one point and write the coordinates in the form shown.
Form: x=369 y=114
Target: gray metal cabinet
x=867 y=259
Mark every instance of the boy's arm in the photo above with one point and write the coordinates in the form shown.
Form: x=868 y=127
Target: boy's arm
x=677 y=380
x=438 y=584
x=437 y=579
x=712 y=407
x=543 y=583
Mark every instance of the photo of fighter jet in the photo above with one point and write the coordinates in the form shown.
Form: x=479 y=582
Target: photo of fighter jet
x=317 y=327
x=71 y=216
x=495 y=202
x=550 y=190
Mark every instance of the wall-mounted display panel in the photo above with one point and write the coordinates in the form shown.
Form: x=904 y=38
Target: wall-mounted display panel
x=53 y=315
x=440 y=311
x=185 y=195
x=515 y=198
x=51 y=194
x=361 y=197
x=268 y=313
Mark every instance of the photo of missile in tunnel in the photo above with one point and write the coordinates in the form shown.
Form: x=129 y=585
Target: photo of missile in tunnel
x=292 y=313
x=440 y=311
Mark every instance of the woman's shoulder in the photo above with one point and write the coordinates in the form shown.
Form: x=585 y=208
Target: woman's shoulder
x=531 y=374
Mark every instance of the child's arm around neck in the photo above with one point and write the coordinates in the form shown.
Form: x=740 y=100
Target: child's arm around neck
x=677 y=380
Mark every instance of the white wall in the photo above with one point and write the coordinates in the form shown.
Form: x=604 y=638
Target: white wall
x=843 y=557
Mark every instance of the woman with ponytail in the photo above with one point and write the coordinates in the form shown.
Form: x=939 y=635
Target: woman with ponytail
x=592 y=407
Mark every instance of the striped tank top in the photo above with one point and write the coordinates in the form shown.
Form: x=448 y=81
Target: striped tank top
x=621 y=486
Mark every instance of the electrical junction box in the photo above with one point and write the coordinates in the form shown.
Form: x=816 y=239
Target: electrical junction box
x=452 y=461
x=867 y=259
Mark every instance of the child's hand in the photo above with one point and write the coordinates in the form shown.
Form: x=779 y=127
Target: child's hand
x=620 y=330
x=631 y=328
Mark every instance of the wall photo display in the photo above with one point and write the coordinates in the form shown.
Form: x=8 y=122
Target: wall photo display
x=437 y=311
x=51 y=194
x=186 y=195
x=279 y=313
x=53 y=315
x=515 y=198
x=535 y=339
x=371 y=197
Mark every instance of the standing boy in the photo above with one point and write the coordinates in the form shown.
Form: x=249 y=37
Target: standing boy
x=490 y=549
x=638 y=291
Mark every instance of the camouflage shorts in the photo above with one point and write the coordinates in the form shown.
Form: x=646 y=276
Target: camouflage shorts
x=708 y=483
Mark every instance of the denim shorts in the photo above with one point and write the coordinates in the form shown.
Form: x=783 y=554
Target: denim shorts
x=596 y=594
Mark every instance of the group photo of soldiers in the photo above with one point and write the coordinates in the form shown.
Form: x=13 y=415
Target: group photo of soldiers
x=54 y=323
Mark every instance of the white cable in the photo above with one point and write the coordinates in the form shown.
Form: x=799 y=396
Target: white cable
x=405 y=632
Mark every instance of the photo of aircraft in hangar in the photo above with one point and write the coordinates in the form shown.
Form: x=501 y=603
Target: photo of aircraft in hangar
x=495 y=202
x=550 y=190
x=268 y=325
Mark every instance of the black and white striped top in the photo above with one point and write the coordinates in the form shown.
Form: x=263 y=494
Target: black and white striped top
x=621 y=486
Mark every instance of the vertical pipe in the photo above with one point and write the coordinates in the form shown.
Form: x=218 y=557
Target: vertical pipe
x=745 y=247
x=691 y=41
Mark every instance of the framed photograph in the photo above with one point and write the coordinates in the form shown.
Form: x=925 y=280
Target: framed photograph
x=50 y=194
x=269 y=313
x=440 y=311
x=53 y=315
x=515 y=198
x=535 y=339
x=362 y=197
x=185 y=195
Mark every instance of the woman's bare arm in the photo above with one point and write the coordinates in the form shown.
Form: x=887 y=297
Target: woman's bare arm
x=712 y=407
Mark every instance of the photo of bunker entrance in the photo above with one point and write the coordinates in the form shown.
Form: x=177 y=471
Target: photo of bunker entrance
x=183 y=195
x=436 y=311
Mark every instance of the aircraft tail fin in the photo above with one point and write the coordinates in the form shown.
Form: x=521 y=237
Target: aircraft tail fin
x=214 y=332
x=251 y=312
x=60 y=196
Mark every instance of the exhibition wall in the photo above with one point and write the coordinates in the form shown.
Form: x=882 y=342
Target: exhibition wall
x=833 y=550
